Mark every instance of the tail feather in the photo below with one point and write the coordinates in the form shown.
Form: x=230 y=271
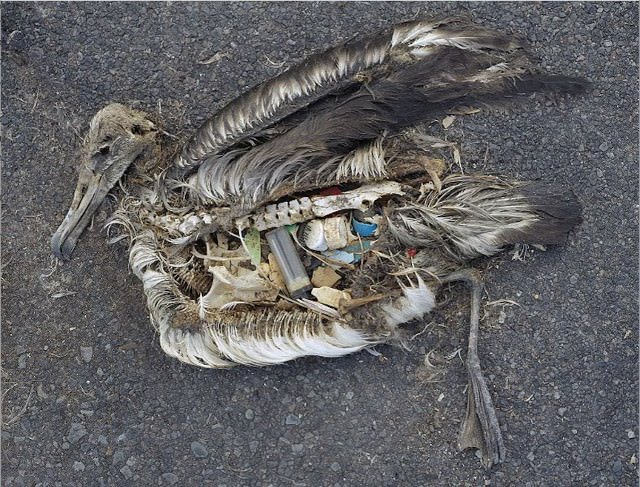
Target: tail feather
x=477 y=216
x=557 y=210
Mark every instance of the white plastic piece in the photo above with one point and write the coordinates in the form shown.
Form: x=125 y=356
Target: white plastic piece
x=336 y=232
x=327 y=234
x=340 y=256
x=314 y=236
x=330 y=296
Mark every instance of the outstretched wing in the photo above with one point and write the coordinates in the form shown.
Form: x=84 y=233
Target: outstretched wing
x=336 y=69
x=304 y=123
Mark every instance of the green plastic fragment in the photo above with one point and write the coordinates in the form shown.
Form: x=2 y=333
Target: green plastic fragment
x=252 y=241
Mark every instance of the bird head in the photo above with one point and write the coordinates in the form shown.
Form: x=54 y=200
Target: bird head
x=117 y=136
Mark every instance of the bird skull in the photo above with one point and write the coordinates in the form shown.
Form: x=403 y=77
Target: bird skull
x=117 y=136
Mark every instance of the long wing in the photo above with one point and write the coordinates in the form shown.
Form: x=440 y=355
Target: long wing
x=352 y=63
x=304 y=124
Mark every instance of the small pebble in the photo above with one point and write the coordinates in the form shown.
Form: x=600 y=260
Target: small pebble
x=561 y=411
x=76 y=432
x=40 y=392
x=118 y=457
x=199 y=450
x=78 y=466
x=617 y=467
x=126 y=472
x=249 y=414
x=86 y=353
x=292 y=419
x=335 y=466
x=170 y=478
x=630 y=434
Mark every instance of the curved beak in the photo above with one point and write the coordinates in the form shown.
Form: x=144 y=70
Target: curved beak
x=90 y=192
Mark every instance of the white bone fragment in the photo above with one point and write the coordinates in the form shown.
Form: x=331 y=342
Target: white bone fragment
x=246 y=286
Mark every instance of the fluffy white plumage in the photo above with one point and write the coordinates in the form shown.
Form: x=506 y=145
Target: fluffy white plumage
x=416 y=302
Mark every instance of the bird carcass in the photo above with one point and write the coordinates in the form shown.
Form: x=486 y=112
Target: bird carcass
x=315 y=214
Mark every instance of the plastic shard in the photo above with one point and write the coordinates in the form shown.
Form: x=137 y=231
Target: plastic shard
x=325 y=276
x=330 y=296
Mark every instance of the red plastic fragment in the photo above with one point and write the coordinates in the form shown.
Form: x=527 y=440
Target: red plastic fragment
x=331 y=191
x=411 y=252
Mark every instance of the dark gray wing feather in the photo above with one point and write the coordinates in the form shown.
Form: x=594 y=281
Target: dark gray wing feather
x=354 y=62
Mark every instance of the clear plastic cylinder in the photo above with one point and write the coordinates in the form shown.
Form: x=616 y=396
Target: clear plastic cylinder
x=293 y=272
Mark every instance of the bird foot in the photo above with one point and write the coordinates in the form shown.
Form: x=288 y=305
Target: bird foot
x=480 y=428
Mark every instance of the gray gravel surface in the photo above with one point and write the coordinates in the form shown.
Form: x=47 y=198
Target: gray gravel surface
x=89 y=399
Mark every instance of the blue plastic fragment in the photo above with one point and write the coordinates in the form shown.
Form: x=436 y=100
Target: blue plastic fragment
x=358 y=249
x=364 y=229
x=340 y=256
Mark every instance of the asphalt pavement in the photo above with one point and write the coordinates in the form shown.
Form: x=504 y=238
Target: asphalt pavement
x=90 y=399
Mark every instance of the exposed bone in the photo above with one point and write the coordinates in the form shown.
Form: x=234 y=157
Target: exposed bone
x=304 y=209
x=247 y=286
x=190 y=226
